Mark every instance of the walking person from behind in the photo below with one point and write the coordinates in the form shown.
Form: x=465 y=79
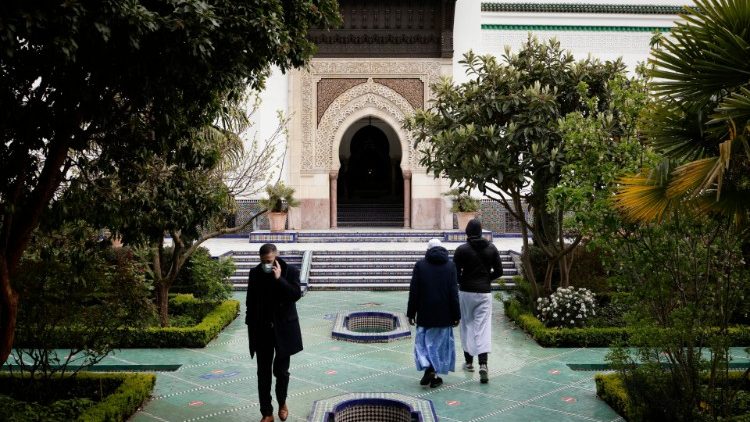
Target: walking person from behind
x=478 y=264
x=273 y=328
x=433 y=301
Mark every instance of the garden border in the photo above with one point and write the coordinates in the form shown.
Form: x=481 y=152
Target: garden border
x=127 y=398
x=587 y=337
x=196 y=336
x=610 y=388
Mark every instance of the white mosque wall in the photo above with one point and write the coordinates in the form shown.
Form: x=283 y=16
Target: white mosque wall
x=274 y=98
x=467 y=33
x=632 y=47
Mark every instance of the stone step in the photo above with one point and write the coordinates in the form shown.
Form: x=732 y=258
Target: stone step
x=374 y=210
x=368 y=264
x=416 y=252
x=381 y=286
x=373 y=207
x=384 y=224
x=335 y=237
x=283 y=255
x=360 y=272
x=368 y=279
x=360 y=279
x=247 y=265
x=372 y=286
x=242 y=287
x=315 y=272
x=372 y=259
x=370 y=216
x=255 y=257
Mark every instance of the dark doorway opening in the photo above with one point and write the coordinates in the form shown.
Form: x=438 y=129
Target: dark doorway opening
x=370 y=181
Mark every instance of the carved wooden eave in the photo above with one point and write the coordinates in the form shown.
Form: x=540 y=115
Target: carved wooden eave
x=388 y=28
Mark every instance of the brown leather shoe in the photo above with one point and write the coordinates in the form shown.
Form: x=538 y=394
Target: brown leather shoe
x=267 y=419
x=283 y=412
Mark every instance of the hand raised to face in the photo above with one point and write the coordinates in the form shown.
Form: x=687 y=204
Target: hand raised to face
x=276 y=270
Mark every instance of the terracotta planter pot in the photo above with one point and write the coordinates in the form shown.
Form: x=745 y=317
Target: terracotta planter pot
x=464 y=218
x=277 y=221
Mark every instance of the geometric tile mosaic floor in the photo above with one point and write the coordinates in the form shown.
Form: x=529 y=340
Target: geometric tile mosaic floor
x=527 y=382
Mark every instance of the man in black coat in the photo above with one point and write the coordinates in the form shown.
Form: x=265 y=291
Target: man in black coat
x=273 y=287
x=433 y=301
x=478 y=263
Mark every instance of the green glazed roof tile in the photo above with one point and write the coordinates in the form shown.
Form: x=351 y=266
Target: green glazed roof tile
x=575 y=28
x=584 y=8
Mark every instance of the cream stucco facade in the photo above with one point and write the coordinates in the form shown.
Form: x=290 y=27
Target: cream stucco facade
x=333 y=97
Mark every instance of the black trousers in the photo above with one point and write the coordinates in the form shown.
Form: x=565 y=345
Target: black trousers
x=268 y=364
x=482 y=358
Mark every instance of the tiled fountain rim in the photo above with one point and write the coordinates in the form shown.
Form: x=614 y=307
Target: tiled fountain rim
x=342 y=332
x=323 y=409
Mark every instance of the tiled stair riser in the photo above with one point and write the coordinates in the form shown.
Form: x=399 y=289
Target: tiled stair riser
x=382 y=236
x=369 y=269
x=355 y=270
x=245 y=261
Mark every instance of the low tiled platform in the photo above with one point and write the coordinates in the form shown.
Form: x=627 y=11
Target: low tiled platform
x=528 y=382
x=218 y=383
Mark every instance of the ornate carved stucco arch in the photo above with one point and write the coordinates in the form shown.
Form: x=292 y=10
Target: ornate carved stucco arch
x=368 y=99
x=391 y=81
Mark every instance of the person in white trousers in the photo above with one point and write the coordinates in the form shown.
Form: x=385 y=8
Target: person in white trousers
x=478 y=264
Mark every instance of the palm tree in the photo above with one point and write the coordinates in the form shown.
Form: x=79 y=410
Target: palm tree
x=701 y=123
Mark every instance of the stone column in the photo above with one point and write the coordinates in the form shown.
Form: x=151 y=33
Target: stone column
x=407 y=199
x=333 y=196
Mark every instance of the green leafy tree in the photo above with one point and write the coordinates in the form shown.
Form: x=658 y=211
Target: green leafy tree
x=683 y=277
x=77 y=292
x=78 y=76
x=601 y=146
x=499 y=133
x=206 y=278
x=166 y=191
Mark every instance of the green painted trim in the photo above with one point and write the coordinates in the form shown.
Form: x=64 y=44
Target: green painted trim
x=496 y=27
x=632 y=9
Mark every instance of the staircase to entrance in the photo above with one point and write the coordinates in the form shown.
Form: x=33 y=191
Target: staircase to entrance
x=336 y=260
x=370 y=215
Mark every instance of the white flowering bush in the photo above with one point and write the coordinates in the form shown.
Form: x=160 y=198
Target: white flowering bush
x=567 y=307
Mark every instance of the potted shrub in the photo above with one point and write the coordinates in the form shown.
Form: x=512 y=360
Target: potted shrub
x=280 y=199
x=464 y=206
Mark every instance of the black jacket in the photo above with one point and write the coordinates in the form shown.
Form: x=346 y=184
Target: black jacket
x=279 y=298
x=433 y=294
x=478 y=264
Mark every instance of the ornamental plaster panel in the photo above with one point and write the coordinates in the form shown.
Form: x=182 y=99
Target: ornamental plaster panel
x=410 y=88
x=368 y=96
x=317 y=139
x=330 y=88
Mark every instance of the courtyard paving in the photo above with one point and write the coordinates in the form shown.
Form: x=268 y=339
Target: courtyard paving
x=528 y=382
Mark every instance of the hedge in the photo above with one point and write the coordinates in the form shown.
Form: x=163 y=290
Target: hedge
x=172 y=337
x=611 y=389
x=124 y=401
x=589 y=336
x=196 y=336
x=562 y=337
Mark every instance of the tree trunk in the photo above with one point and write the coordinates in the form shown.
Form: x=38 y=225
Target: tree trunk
x=566 y=265
x=162 y=301
x=548 y=275
x=528 y=268
x=8 y=312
